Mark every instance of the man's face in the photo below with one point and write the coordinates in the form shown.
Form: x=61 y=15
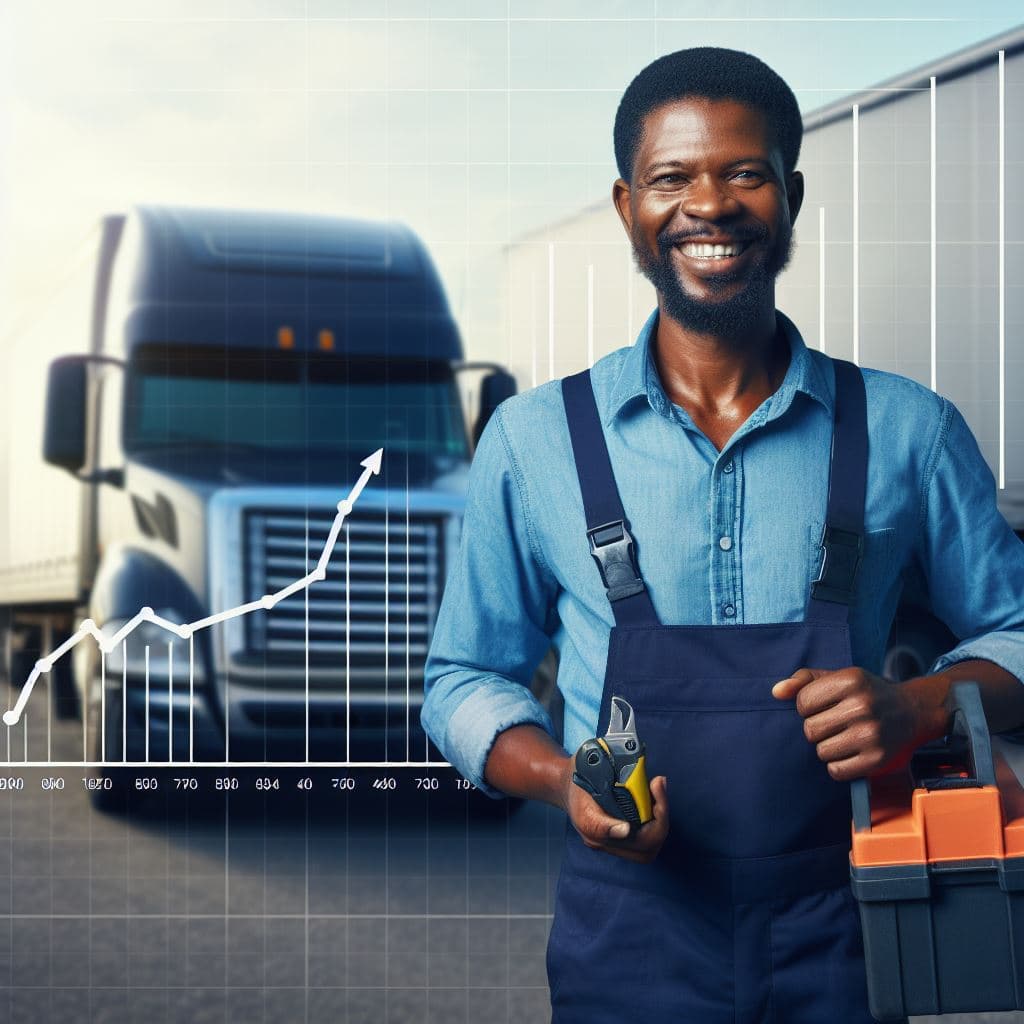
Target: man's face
x=709 y=173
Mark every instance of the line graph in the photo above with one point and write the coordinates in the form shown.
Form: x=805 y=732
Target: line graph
x=147 y=617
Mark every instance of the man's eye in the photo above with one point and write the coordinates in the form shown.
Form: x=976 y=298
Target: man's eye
x=668 y=179
x=749 y=176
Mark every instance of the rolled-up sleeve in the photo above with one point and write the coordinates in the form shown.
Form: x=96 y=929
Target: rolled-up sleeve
x=973 y=561
x=495 y=620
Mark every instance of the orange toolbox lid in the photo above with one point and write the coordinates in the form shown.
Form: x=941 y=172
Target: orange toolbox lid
x=954 y=802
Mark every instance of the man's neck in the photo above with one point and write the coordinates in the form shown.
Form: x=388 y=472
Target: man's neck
x=721 y=375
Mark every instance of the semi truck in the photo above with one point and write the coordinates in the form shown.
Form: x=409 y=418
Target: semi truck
x=861 y=284
x=220 y=378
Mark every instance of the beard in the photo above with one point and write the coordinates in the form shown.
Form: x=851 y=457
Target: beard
x=726 y=316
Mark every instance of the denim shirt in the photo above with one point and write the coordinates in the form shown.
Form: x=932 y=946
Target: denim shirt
x=721 y=537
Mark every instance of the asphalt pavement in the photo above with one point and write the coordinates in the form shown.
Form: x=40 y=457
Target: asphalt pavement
x=307 y=902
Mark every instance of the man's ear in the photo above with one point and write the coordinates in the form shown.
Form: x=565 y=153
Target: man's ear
x=620 y=197
x=795 y=195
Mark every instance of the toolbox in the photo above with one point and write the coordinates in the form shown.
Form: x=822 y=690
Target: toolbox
x=937 y=865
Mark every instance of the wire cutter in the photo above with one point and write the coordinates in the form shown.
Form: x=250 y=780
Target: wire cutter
x=612 y=768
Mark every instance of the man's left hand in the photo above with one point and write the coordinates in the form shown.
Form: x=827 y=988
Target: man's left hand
x=859 y=723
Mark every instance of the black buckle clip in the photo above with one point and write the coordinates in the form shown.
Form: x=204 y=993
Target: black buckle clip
x=613 y=550
x=842 y=551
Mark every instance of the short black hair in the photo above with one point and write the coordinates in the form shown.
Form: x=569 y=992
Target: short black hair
x=714 y=73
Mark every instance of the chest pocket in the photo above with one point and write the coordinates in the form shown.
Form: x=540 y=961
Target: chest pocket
x=877 y=559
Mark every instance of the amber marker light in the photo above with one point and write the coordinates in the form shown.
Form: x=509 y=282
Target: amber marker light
x=285 y=337
x=325 y=339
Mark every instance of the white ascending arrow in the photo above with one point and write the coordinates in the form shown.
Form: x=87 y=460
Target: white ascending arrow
x=187 y=629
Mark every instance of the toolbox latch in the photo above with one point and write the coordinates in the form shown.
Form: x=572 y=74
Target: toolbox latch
x=841 y=555
x=615 y=553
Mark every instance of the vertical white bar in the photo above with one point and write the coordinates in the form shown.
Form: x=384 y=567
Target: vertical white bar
x=508 y=176
x=533 y=330
x=124 y=700
x=856 y=233
x=191 y=697
x=933 y=255
x=306 y=644
x=24 y=748
x=408 y=598
x=1002 y=269
x=348 y=649
x=227 y=717
x=551 y=310
x=147 y=704
x=48 y=646
x=821 y=278
x=10 y=682
x=387 y=632
x=103 y=705
x=590 y=314
x=170 y=700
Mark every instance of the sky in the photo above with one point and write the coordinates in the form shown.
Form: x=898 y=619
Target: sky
x=473 y=122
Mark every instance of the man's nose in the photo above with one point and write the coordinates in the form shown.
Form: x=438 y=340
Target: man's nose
x=709 y=198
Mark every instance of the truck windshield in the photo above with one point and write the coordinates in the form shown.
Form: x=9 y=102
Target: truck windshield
x=316 y=403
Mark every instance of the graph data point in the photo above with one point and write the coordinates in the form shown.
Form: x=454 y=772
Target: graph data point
x=267 y=600
x=345 y=506
x=321 y=574
x=147 y=612
x=88 y=624
x=10 y=718
x=43 y=665
x=185 y=632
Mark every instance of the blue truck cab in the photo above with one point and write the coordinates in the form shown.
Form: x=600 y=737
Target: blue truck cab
x=241 y=367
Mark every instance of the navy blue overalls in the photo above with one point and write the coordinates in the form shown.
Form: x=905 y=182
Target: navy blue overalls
x=746 y=915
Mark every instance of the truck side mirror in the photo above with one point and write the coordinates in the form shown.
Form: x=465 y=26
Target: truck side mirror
x=494 y=389
x=66 y=391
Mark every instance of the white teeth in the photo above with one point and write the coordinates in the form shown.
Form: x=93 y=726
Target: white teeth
x=706 y=251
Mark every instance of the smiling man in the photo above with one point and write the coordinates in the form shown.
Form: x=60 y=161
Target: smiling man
x=715 y=523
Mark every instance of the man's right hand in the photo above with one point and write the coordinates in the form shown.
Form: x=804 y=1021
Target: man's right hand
x=600 y=831
x=525 y=761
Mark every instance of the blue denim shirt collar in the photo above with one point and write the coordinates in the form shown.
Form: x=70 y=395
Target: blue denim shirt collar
x=639 y=375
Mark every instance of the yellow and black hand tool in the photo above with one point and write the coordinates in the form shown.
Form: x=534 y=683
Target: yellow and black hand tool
x=612 y=768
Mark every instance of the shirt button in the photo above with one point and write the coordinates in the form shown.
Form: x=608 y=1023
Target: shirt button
x=729 y=610
x=725 y=543
x=727 y=468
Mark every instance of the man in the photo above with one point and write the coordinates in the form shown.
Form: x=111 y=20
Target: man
x=751 y=668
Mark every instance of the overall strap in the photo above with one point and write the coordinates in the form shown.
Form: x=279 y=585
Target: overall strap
x=842 y=542
x=611 y=543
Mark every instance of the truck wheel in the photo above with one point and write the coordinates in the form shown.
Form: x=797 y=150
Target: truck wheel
x=25 y=652
x=109 y=792
x=915 y=641
x=65 y=699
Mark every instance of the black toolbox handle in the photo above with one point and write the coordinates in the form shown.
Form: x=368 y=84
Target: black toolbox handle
x=970 y=725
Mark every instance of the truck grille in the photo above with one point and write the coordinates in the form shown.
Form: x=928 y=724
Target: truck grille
x=395 y=575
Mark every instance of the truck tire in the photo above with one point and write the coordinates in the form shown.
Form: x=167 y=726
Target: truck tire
x=915 y=641
x=109 y=792
x=66 y=706
x=25 y=652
